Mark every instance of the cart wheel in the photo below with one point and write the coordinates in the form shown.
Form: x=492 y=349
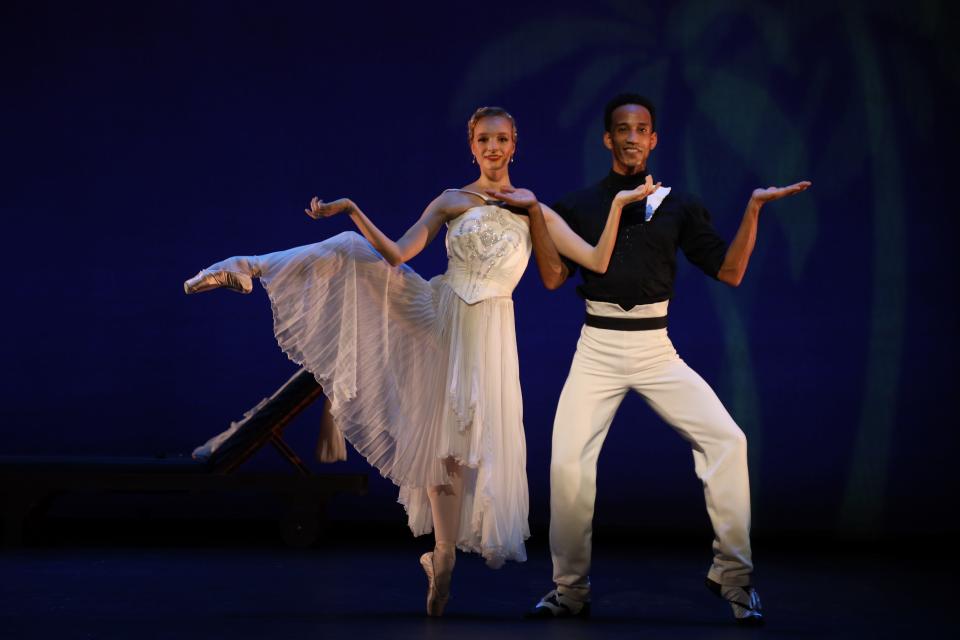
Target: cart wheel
x=300 y=528
x=22 y=514
x=302 y=525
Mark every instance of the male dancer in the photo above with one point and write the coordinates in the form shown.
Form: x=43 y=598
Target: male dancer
x=624 y=345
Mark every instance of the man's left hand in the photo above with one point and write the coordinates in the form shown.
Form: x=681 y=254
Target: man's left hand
x=763 y=196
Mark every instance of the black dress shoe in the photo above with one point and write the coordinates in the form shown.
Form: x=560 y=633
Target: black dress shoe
x=555 y=605
x=744 y=601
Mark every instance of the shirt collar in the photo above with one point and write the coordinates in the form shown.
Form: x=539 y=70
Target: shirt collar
x=618 y=182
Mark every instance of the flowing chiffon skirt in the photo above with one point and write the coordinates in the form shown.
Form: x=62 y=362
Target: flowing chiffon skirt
x=414 y=375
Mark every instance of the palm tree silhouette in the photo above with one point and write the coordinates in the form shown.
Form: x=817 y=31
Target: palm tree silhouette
x=751 y=78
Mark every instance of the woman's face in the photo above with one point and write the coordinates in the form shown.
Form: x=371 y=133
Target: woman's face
x=493 y=144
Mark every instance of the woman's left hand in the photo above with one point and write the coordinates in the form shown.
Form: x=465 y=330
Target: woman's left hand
x=320 y=209
x=522 y=198
x=644 y=189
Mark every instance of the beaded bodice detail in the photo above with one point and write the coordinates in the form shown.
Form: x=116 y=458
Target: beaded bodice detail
x=488 y=248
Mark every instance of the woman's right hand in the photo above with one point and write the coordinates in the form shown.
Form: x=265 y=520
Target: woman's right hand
x=320 y=209
x=624 y=198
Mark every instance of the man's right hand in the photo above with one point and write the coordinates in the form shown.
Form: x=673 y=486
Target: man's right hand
x=523 y=198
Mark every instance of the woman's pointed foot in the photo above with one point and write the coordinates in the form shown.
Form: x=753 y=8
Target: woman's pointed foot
x=206 y=280
x=436 y=597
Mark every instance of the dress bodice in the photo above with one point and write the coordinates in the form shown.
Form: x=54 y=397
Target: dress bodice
x=488 y=248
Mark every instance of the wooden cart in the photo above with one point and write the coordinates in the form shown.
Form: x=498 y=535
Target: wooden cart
x=29 y=484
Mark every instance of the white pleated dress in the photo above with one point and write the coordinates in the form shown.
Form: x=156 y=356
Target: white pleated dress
x=420 y=371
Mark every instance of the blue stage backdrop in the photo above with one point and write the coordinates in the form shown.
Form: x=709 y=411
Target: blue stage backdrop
x=143 y=141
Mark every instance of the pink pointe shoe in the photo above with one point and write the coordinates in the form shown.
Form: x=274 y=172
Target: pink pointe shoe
x=206 y=280
x=436 y=601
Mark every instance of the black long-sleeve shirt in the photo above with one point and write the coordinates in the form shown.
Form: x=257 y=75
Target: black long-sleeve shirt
x=644 y=262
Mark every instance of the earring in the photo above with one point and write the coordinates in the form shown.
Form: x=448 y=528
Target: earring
x=473 y=159
x=512 y=158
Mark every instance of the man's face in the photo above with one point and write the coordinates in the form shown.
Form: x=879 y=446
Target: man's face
x=631 y=138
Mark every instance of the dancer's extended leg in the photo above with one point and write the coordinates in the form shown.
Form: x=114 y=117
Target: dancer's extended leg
x=234 y=273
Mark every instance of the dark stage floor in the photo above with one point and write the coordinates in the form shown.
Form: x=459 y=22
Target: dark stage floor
x=355 y=586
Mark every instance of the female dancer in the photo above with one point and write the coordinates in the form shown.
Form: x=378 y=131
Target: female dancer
x=422 y=377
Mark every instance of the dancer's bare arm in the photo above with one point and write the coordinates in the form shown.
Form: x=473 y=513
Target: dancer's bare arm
x=738 y=254
x=395 y=252
x=595 y=258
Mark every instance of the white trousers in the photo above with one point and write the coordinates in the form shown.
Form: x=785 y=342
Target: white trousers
x=607 y=364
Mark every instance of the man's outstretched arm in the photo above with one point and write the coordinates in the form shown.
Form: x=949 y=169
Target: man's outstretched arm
x=553 y=271
x=738 y=254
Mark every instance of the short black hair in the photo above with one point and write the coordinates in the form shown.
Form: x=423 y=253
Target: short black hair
x=628 y=98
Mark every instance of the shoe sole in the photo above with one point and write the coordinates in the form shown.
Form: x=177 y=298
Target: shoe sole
x=543 y=613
